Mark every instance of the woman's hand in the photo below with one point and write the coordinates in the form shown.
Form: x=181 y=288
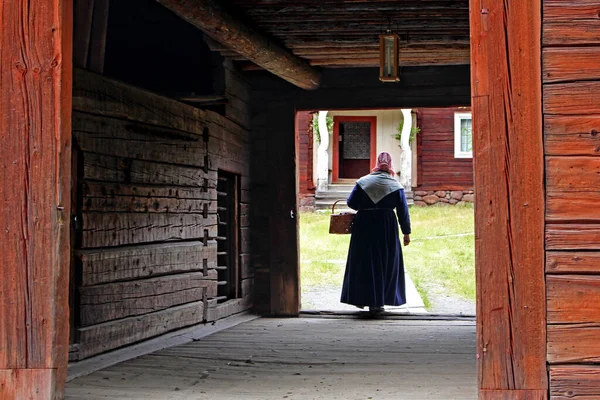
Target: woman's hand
x=406 y=240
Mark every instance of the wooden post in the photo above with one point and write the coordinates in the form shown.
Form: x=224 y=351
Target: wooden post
x=284 y=258
x=509 y=204
x=35 y=132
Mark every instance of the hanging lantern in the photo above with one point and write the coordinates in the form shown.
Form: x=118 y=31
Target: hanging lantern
x=388 y=57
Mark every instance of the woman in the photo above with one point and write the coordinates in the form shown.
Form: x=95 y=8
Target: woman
x=375 y=271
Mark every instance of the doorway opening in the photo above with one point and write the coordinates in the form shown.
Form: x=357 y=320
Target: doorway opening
x=438 y=185
x=354 y=147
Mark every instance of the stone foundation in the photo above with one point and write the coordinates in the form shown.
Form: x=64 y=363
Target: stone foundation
x=306 y=203
x=424 y=198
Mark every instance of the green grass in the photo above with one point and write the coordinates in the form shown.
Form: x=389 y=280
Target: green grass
x=436 y=259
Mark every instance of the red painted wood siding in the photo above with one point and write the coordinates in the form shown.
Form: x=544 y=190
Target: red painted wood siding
x=305 y=153
x=437 y=167
x=571 y=78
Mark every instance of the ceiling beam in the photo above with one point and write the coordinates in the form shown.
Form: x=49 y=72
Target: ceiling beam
x=230 y=31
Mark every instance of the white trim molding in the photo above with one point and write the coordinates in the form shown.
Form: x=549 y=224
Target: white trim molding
x=459 y=151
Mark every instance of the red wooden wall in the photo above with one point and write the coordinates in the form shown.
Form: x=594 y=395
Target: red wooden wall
x=506 y=94
x=571 y=77
x=306 y=185
x=437 y=168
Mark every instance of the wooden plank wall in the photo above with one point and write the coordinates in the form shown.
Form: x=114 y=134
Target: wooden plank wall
x=306 y=186
x=148 y=211
x=35 y=155
x=571 y=76
x=438 y=169
x=275 y=229
x=509 y=201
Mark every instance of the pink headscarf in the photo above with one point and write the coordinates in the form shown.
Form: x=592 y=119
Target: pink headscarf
x=384 y=163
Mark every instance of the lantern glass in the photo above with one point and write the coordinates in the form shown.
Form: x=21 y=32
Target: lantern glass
x=388 y=58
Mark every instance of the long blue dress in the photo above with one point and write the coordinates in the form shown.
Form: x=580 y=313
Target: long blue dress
x=374 y=274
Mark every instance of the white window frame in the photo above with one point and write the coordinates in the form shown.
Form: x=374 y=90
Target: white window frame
x=458 y=117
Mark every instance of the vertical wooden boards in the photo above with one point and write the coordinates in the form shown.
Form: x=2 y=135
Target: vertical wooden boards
x=572 y=146
x=35 y=169
x=284 y=257
x=275 y=232
x=509 y=201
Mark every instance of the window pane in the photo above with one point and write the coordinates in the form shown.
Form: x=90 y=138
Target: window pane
x=466 y=135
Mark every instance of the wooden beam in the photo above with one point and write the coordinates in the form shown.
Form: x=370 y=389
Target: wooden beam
x=35 y=169
x=509 y=201
x=98 y=36
x=216 y=22
x=82 y=23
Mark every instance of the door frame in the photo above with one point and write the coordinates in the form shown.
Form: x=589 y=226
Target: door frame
x=335 y=164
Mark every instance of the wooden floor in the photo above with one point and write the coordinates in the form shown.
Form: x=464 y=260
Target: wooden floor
x=304 y=358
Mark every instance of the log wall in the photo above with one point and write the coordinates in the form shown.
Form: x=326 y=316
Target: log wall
x=571 y=77
x=146 y=250
x=437 y=168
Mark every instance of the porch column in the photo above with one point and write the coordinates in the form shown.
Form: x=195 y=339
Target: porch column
x=35 y=156
x=323 y=155
x=406 y=159
x=509 y=201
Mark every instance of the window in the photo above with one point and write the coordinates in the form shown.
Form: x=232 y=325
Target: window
x=463 y=135
x=228 y=241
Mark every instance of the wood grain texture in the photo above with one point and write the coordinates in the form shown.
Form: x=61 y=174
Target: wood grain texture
x=348 y=356
x=571 y=262
x=573 y=299
x=111 y=335
x=573 y=343
x=573 y=236
x=219 y=24
x=17 y=384
x=120 y=138
x=113 y=301
x=509 y=208
x=572 y=206
x=570 y=10
x=144 y=183
x=134 y=262
x=283 y=222
x=119 y=229
x=35 y=131
x=569 y=382
x=570 y=64
x=126 y=170
x=513 y=394
x=575 y=98
x=216 y=311
x=572 y=135
x=95 y=94
x=573 y=174
x=571 y=22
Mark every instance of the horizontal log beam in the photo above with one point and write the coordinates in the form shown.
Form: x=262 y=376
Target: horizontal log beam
x=208 y=16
